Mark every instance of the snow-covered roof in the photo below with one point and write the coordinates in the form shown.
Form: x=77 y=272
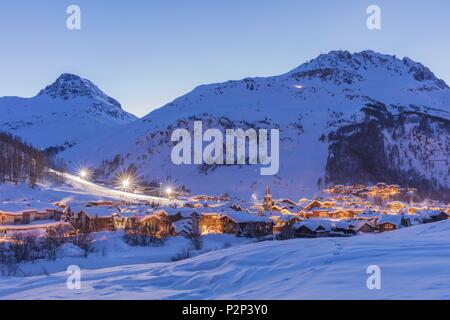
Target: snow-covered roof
x=92 y=212
x=18 y=208
x=314 y=224
x=358 y=224
x=414 y=219
x=426 y=214
x=241 y=217
x=368 y=215
x=282 y=217
x=183 y=225
x=342 y=224
x=395 y=219
x=184 y=212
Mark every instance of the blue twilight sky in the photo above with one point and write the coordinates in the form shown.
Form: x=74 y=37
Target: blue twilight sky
x=146 y=53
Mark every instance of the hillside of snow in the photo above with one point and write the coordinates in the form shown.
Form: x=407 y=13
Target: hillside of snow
x=343 y=118
x=70 y=111
x=413 y=261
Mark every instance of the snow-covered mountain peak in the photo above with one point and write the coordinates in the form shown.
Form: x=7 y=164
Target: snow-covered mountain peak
x=70 y=86
x=69 y=111
x=363 y=65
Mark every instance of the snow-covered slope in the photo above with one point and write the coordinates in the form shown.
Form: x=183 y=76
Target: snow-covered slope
x=65 y=113
x=312 y=105
x=413 y=261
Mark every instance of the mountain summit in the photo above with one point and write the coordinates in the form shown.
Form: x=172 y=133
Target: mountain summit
x=70 y=86
x=363 y=65
x=69 y=111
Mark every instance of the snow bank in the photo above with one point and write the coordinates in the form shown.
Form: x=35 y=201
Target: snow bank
x=414 y=264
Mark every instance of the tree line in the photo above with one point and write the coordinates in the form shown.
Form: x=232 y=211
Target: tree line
x=21 y=162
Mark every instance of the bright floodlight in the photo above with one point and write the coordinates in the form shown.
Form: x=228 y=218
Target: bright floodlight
x=83 y=174
x=169 y=191
x=125 y=183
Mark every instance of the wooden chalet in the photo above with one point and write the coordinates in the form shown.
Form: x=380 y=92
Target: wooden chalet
x=25 y=213
x=234 y=222
x=312 y=228
x=389 y=222
x=429 y=216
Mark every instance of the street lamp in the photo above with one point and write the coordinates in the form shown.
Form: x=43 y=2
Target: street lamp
x=83 y=174
x=125 y=183
x=169 y=192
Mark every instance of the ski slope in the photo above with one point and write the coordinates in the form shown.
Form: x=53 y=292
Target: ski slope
x=414 y=265
x=98 y=190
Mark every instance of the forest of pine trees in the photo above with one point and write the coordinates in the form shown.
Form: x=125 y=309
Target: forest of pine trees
x=20 y=162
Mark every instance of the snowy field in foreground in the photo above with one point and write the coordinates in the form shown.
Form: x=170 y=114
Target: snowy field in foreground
x=414 y=264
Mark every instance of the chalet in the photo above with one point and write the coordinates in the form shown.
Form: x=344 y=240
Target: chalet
x=193 y=205
x=368 y=215
x=91 y=219
x=282 y=228
x=313 y=204
x=396 y=206
x=364 y=226
x=288 y=202
x=209 y=223
x=411 y=220
x=339 y=214
x=283 y=210
x=342 y=228
x=312 y=228
x=383 y=189
x=432 y=215
x=389 y=222
x=318 y=212
x=158 y=224
x=182 y=228
x=121 y=217
x=243 y=224
x=26 y=213
x=234 y=222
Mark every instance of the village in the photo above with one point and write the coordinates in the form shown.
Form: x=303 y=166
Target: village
x=341 y=211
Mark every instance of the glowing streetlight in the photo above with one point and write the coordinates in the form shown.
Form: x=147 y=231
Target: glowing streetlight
x=83 y=174
x=125 y=183
x=169 y=192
